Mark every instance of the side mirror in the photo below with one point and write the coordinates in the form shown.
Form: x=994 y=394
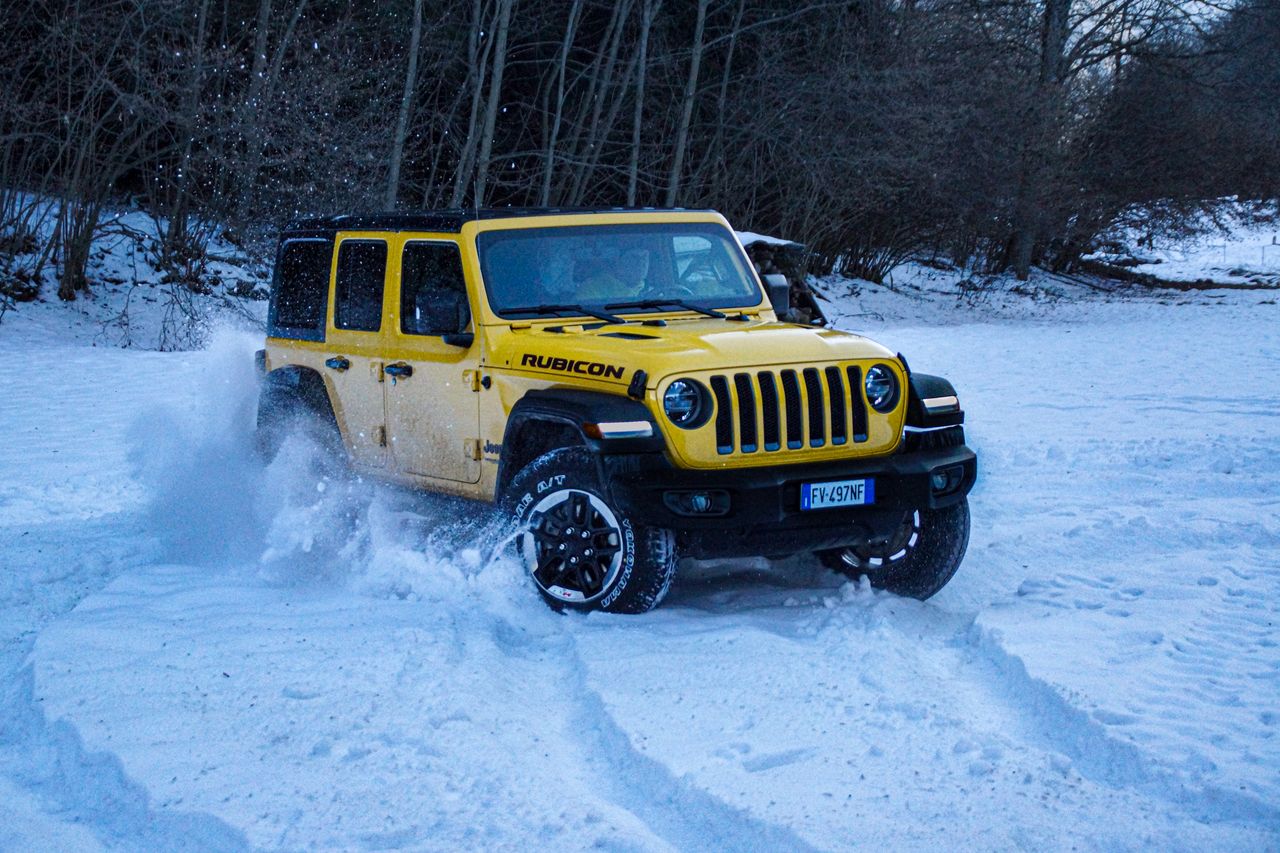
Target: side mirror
x=459 y=339
x=779 y=290
x=440 y=312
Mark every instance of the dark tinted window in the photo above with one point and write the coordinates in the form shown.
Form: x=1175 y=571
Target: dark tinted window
x=433 y=292
x=362 y=266
x=606 y=266
x=301 y=289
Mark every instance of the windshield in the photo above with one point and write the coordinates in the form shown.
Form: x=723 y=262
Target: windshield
x=598 y=268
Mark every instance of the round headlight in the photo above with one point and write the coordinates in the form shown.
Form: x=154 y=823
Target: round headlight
x=882 y=388
x=686 y=404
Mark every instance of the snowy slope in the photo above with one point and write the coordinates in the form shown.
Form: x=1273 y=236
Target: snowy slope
x=258 y=659
x=133 y=301
x=1236 y=244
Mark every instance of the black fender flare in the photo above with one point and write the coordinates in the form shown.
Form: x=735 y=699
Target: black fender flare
x=925 y=387
x=303 y=381
x=303 y=384
x=565 y=411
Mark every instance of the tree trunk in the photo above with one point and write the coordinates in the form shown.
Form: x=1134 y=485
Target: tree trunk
x=262 y=84
x=647 y=14
x=495 y=96
x=715 y=148
x=477 y=69
x=177 y=231
x=553 y=132
x=1042 y=136
x=406 y=104
x=686 y=107
x=602 y=127
x=601 y=79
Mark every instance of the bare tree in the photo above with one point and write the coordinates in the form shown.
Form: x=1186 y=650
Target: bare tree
x=648 y=11
x=406 y=104
x=686 y=106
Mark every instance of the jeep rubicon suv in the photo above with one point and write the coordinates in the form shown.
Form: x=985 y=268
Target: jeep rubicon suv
x=624 y=385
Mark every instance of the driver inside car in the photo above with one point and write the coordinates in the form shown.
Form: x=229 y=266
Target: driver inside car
x=617 y=276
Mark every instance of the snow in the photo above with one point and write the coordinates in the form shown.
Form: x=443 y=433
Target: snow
x=1238 y=244
x=746 y=238
x=204 y=653
x=132 y=301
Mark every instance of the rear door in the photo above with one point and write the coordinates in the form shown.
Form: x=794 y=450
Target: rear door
x=433 y=414
x=354 y=341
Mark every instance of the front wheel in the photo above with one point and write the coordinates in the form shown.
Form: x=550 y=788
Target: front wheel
x=581 y=551
x=917 y=560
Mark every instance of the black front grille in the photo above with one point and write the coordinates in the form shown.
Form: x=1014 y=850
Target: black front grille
x=795 y=427
x=859 y=408
x=724 y=415
x=817 y=423
x=835 y=387
x=746 y=412
x=769 y=411
x=757 y=414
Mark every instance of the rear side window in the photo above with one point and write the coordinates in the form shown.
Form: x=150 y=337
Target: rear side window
x=433 y=291
x=301 y=291
x=362 y=267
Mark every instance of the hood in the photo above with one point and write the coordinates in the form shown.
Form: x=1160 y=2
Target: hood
x=613 y=353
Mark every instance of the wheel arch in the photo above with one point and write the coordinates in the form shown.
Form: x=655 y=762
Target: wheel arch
x=924 y=388
x=302 y=382
x=548 y=419
x=299 y=383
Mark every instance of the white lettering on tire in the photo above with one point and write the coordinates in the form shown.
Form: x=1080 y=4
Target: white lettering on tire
x=628 y=561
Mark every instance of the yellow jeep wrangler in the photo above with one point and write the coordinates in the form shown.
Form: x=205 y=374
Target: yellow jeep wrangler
x=621 y=383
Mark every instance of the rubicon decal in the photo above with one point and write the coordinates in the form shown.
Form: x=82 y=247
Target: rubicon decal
x=569 y=365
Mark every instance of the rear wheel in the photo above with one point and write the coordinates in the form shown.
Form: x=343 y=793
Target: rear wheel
x=284 y=408
x=581 y=551
x=917 y=559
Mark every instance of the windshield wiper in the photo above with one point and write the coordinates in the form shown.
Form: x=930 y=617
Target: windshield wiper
x=566 y=309
x=666 y=303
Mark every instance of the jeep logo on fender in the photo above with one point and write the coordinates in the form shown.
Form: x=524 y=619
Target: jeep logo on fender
x=568 y=365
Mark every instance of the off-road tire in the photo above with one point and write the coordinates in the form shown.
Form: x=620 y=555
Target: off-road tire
x=282 y=410
x=918 y=561
x=561 y=491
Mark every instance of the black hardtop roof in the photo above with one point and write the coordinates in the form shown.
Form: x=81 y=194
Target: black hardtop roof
x=451 y=220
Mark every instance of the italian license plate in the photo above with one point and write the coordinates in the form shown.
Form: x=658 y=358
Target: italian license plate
x=837 y=493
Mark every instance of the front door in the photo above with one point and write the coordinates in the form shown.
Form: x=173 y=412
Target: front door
x=354 y=342
x=433 y=408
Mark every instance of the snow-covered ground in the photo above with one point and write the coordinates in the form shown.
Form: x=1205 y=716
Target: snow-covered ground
x=201 y=653
x=135 y=300
x=1238 y=244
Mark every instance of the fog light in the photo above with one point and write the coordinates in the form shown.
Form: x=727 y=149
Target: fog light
x=946 y=480
x=700 y=502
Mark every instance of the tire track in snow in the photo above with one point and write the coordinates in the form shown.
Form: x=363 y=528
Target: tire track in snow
x=674 y=808
x=1052 y=722
x=48 y=757
x=69 y=527
x=1039 y=715
x=1097 y=755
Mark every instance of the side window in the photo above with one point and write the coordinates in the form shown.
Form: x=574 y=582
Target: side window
x=362 y=267
x=698 y=262
x=433 y=292
x=301 y=291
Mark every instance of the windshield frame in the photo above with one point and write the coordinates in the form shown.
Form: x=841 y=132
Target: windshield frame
x=738 y=258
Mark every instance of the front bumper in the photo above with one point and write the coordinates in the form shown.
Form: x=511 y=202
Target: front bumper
x=764 y=518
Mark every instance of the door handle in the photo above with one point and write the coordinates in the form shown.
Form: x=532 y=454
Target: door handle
x=399 y=370
x=338 y=363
